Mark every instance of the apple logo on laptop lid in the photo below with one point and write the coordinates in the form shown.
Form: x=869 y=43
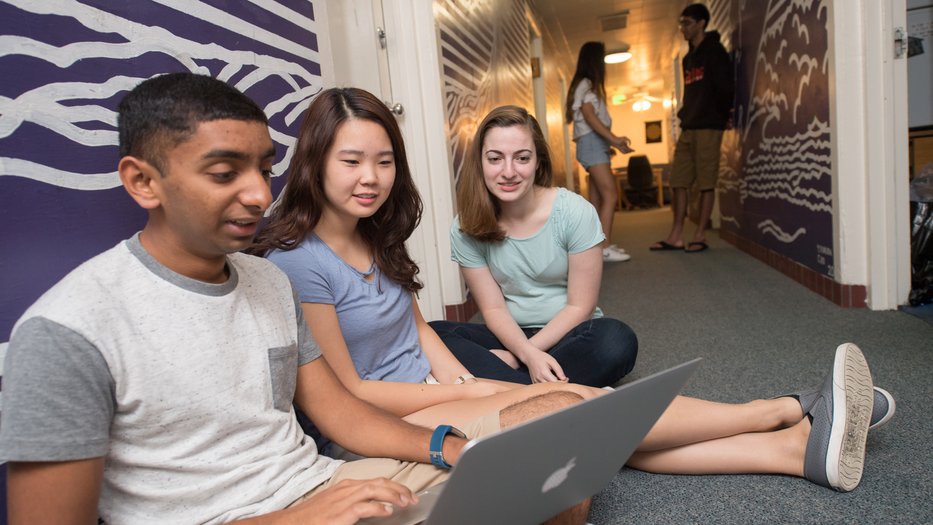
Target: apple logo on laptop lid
x=558 y=476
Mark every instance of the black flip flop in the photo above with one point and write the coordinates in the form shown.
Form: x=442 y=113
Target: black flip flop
x=664 y=246
x=703 y=247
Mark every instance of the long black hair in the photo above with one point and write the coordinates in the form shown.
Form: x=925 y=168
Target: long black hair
x=590 y=65
x=303 y=199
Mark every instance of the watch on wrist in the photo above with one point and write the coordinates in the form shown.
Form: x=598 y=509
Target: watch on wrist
x=437 y=444
x=463 y=379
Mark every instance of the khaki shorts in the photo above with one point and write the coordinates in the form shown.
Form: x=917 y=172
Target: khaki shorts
x=416 y=476
x=696 y=158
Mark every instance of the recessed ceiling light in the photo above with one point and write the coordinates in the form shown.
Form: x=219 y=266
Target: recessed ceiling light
x=641 y=105
x=617 y=57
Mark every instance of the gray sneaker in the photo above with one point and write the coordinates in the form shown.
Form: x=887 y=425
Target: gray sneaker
x=882 y=409
x=840 y=415
x=883 y=405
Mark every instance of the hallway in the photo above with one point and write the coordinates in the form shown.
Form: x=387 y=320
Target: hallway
x=761 y=335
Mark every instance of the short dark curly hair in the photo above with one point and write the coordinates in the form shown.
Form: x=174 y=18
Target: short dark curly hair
x=164 y=111
x=697 y=12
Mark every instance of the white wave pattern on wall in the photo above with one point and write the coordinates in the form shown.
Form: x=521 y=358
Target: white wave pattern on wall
x=773 y=229
x=46 y=105
x=483 y=65
x=792 y=168
x=782 y=167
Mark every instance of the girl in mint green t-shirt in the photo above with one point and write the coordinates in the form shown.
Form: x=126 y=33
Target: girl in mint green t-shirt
x=531 y=256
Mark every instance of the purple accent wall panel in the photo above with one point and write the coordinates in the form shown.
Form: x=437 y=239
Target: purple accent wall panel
x=776 y=178
x=66 y=64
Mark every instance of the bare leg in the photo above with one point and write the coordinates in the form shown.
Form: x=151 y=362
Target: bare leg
x=689 y=420
x=626 y=204
x=592 y=193
x=707 y=199
x=537 y=406
x=464 y=411
x=679 y=210
x=603 y=184
x=779 y=452
x=576 y=514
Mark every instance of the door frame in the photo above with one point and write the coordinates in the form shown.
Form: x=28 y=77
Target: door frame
x=868 y=111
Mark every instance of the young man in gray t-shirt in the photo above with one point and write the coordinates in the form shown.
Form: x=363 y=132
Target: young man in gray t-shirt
x=155 y=382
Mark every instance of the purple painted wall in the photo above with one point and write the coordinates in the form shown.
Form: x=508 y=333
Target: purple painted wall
x=776 y=179
x=65 y=64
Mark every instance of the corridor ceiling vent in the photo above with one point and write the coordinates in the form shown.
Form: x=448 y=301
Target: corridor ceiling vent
x=614 y=21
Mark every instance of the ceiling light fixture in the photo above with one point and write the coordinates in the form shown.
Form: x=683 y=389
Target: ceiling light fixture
x=617 y=57
x=641 y=105
x=618 y=53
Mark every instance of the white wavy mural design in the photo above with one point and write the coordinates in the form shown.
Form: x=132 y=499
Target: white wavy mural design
x=771 y=228
x=780 y=166
x=90 y=123
x=65 y=65
x=485 y=59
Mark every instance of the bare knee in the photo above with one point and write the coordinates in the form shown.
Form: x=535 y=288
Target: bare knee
x=537 y=406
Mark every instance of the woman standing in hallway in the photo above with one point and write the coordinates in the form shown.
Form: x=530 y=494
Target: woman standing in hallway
x=532 y=258
x=592 y=131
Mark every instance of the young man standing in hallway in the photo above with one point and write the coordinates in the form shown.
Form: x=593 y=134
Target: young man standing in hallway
x=708 y=93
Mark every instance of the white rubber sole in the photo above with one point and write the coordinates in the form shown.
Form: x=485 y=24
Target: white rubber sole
x=852 y=403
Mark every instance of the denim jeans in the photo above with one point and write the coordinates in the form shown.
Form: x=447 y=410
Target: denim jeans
x=597 y=352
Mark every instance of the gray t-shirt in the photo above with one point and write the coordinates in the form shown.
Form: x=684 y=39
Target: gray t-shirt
x=184 y=387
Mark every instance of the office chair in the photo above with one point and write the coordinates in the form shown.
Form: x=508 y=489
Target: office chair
x=641 y=191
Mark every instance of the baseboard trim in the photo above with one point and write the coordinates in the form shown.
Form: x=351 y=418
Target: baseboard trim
x=462 y=312
x=844 y=295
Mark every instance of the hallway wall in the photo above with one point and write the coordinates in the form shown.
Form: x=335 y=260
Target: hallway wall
x=485 y=58
x=65 y=67
x=776 y=176
x=486 y=62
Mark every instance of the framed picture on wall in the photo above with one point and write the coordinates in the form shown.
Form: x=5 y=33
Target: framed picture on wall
x=652 y=131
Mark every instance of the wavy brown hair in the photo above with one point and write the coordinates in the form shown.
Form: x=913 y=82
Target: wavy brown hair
x=299 y=208
x=590 y=64
x=479 y=210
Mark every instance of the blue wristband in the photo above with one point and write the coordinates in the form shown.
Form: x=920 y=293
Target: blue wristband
x=437 y=444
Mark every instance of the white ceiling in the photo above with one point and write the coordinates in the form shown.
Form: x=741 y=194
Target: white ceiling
x=651 y=33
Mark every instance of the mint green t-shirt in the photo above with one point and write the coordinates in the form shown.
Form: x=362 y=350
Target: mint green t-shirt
x=532 y=272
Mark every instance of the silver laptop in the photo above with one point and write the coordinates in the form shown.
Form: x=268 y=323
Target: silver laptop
x=530 y=472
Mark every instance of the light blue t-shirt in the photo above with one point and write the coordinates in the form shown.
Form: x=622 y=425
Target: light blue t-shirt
x=376 y=317
x=532 y=272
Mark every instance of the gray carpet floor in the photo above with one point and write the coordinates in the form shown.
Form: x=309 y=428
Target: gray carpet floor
x=761 y=335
